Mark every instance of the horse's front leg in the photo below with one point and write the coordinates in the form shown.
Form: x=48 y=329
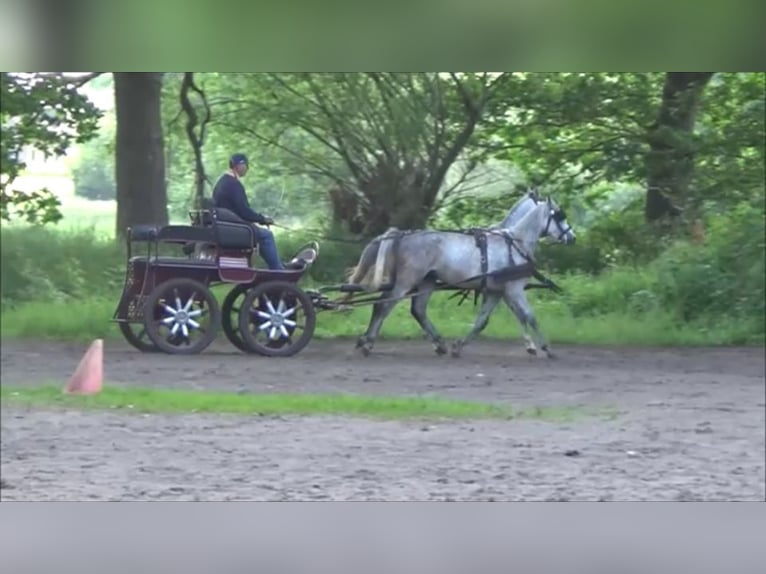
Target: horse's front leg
x=491 y=299
x=516 y=298
x=529 y=344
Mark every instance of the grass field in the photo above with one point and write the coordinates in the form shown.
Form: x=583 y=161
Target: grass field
x=86 y=320
x=145 y=400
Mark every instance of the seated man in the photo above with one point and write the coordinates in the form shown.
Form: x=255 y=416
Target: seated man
x=229 y=193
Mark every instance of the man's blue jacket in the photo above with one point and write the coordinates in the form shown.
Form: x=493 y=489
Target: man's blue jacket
x=229 y=193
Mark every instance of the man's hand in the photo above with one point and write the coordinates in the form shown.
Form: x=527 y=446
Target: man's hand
x=267 y=220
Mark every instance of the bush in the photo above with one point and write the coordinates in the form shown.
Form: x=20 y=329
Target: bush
x=724 y=277
x=42 y=264
x=45 y=264
x=618 y=290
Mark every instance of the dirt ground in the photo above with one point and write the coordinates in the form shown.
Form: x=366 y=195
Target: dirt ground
x=690 y=427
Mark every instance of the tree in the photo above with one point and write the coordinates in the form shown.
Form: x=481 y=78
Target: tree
x=671 y=156
x=574 y=130
x=43 y=112
x=140 y=153
x=383 y=141
x=196 y=138
x=580 y=129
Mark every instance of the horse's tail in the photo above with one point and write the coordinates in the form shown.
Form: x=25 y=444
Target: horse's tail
x=356 y=275
x=373 y=263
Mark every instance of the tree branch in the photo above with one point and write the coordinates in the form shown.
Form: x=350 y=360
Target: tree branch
x=196 y=141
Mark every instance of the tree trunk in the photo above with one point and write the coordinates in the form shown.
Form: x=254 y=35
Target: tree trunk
x=140 y=152
x=670 y=161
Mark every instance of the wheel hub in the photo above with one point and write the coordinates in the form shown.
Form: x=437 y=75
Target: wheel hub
x=276 y=320
x=180 y=318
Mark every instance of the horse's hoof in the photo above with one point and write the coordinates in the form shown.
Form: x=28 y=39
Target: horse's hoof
x=440 y=349
x=456 y=349
x=549 y=353
x=531 y=351
x=363 y=346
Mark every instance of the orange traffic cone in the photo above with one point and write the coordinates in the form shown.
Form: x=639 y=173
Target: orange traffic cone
x=89 y=375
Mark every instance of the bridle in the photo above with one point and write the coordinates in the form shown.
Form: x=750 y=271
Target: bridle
x=558 y=216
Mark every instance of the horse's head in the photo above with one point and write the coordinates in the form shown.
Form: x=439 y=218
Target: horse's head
x=556 y=225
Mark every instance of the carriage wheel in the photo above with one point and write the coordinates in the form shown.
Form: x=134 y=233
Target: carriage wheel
x=138 y=337
x=182 y=317
x=271 y=316
x=230 y=317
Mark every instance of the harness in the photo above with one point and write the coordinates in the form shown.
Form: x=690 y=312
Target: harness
x=511 y=272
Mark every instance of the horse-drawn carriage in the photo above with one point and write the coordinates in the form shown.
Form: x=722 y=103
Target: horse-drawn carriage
x=167 y=301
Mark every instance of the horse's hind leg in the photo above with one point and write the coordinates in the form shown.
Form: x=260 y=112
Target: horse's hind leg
x=491 y=300
x=418 y=309
x=380 y=311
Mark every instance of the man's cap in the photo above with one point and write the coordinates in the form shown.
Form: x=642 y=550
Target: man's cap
x=238 y=158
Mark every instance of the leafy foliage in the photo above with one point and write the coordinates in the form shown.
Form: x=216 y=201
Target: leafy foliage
x=378 y=145
x=575 y=131
x=94 y=172
x=47 y=113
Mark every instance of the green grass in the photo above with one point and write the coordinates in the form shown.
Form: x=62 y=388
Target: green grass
x=80 y=214
x=86 y=320
x=147 y=400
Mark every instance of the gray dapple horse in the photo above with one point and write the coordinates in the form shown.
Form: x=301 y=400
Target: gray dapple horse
x=495 y=261
x=419 y=303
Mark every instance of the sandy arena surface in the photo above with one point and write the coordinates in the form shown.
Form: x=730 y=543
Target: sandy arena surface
x=690 y=426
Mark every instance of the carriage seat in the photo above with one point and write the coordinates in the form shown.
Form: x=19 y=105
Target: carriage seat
x=229 y=230
x=144 y=232
x=222 y=234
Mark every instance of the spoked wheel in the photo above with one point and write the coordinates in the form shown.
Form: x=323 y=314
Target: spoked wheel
x=182 y=317
x=137 y=336
x=230 y=317
x=277 y=319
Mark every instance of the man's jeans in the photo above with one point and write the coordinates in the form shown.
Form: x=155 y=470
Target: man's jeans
x=268 y=247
